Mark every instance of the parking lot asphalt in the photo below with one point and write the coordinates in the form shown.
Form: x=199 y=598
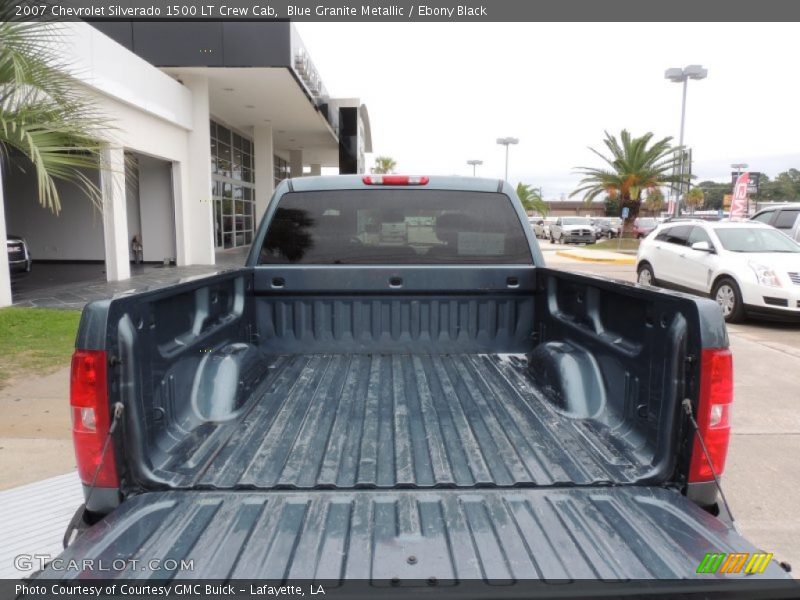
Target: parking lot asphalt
x=762 y=476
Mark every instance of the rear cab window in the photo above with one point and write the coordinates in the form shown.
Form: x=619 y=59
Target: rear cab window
x=395 y=226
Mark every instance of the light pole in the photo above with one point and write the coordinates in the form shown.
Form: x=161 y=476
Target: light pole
x=739 y=167
x=683 y=76
x=507 y=141
x=474 y=163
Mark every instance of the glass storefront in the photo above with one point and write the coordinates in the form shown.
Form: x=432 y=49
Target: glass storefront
x=280 y=169
x=232 y=187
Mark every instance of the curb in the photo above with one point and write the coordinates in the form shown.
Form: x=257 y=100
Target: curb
x=612 y=261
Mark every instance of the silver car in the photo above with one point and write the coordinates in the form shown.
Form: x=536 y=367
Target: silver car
x=541 y=226
x=572 y=230
x=19 y=259
x=795 y=233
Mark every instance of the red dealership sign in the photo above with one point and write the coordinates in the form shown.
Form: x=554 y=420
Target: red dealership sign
x=739 y=202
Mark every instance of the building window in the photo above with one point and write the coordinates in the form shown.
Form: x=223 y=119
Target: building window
x=233 y=187
x=280 y=169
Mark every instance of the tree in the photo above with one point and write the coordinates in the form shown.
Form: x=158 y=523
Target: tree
x=611 y=206
x=714 y=193
x=787 y=185
x=531 y=199
x=633 y=166
x=654 y=201
x=693 y=198
x=46 y=123
x=383 y=165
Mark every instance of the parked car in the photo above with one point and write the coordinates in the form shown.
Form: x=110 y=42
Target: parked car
x=19 y=259
x=749 y=268
x=605 y=228
x=642 y=226
x=781 y=217
x=795 y=233
x=541 y=227
x=572 y=230
x=453 y=405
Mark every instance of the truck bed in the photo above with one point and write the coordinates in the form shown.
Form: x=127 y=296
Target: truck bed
x=398 y=421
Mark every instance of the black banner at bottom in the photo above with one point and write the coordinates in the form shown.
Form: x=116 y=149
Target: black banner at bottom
x=42 y=589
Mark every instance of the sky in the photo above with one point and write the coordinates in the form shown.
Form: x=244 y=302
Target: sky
x=439 y=94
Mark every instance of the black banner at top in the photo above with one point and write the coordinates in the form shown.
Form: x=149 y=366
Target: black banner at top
x=413 y=11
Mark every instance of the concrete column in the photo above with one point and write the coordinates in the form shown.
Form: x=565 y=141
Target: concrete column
x=5 y=277
x=316 y=169
x=180 y=185
x=263 y=155
x=115 y=214
x=296 y=163
x=194 y=222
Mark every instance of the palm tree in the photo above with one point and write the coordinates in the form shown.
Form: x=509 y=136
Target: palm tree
x=531 y=199
x=694 y=198
x=634 y=165
x=384 y=164
x=46 y=124
x=654 y=201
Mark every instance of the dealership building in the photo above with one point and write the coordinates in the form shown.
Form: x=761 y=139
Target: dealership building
x=207 y=118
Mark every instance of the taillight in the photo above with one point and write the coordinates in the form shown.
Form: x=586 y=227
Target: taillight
x=88 y=399
x=713 y=414
x=395 y=180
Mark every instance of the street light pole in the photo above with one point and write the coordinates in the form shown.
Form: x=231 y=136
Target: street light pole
x=676 y=210
x=474 y=163
x=683 y=76
x=507 y=141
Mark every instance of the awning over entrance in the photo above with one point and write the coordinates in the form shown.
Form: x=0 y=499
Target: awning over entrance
x=246 y=98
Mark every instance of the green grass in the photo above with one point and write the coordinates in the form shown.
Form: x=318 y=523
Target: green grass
x=35 y=341
x=615 y=245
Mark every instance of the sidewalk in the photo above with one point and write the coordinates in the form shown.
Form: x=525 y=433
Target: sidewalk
x=597 y=256
x=72 y=288
x=35 y=432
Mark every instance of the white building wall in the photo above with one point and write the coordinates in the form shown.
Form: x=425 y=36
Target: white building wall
x=115 y=214
x=152 y=114
x=296 y=163
x=5 y=276
x=263 y=155
x=195 y=211
x=76 y=233
x=111 y=69
x=156 y=210
x=155 y=115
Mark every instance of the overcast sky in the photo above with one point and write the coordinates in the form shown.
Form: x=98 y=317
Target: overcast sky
x=440 y=94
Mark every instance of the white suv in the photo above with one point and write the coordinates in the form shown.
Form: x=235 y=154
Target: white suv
x=747 y=267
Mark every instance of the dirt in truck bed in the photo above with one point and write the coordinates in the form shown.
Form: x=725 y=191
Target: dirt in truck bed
x=395 y=421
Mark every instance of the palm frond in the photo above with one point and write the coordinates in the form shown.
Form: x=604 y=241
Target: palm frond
x=632 y=165
x=44 y=115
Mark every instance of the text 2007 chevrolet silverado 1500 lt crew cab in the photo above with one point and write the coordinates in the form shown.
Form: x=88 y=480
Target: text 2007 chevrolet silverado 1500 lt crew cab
x=396 y=388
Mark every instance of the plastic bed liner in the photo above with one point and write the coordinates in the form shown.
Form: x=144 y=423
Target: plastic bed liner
x=413 y=535
x=399 y=420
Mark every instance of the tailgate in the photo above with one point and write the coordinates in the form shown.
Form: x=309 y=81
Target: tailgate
x=439 y=536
